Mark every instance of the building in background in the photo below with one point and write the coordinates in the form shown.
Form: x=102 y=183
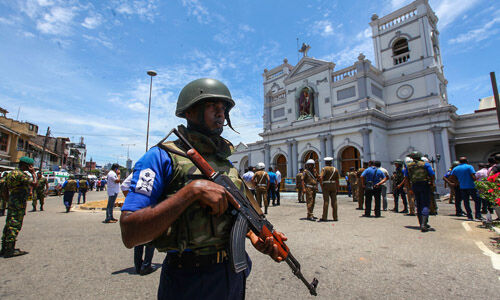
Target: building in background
x=370 y=112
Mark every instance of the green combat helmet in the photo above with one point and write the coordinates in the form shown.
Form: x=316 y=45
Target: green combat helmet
x=204 y=89
x=398 y=161
x=415 y=155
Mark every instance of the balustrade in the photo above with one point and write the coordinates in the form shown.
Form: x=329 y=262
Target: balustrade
x=400 y=19
x=344 y=73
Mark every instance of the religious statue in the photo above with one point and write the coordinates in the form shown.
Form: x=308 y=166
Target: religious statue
x=306 y=100
x=305 y=47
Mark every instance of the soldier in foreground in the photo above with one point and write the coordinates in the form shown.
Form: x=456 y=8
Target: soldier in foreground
x=261 y=182
x=298 y=185
x=310 y=185
x=18 y=184
x=4 y=195
x=329 y=180
x=41 y=191
x=185 y=215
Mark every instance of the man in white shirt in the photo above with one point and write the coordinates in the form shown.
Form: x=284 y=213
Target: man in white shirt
x=113 y=180
x=278 y=185
x=247 y=177
x=383 y=186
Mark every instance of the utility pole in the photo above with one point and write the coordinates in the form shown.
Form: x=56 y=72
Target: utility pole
x=151 y=74
x=495 y=95
x=43 y=149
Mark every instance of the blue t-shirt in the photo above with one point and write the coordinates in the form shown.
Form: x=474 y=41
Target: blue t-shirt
x=152 y=174
x=272 y=177
x=463 y=173
x=373 y=174
x=427 y=166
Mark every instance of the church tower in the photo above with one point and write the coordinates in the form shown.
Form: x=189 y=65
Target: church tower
x=406 y=46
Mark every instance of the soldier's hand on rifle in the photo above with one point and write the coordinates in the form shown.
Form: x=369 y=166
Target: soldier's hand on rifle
x=267 y=246
x=212 y=195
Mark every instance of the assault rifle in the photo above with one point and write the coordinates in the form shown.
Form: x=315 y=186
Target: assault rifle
x=247 y=218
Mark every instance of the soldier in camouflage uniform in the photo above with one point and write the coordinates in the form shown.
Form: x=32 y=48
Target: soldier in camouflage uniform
x=41 y=191
x=4 y=195
x=417 y=178
x=261 y=182
x=329 y=180
x=398 y=183
x=361 y=190
x=18 y=184
x=170 y=203
x=353 y=181
x=70 y=187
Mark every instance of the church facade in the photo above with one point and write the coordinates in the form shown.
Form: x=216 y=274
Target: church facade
x=370 y=111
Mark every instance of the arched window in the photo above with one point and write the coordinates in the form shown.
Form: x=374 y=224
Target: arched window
x=311 y=155
x=349 y=158
x=400 y=51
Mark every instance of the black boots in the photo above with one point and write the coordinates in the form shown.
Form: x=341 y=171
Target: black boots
x=424 y=227
x=10 y=251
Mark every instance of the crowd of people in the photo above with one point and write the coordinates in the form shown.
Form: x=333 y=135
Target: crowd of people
x=413 y=181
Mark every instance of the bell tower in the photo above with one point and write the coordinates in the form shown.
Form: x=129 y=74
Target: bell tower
x=406 y=46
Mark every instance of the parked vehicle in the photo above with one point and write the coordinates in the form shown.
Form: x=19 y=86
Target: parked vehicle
x=55 y=180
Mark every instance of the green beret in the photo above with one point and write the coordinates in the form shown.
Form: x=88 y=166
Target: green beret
x=27 y=160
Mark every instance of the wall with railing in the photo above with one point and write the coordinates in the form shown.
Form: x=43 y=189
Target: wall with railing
x=344 y=73
x=398 y=20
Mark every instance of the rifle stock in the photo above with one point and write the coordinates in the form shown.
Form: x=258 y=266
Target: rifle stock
x=247 y=219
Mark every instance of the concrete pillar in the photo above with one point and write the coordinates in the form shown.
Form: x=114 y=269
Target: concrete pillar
x=329 y=145
x=440 y=165
x=453 y=154
x=366 y=143
x=267 y=155
x=289 y=162
x=296 y=156
x=322 y=143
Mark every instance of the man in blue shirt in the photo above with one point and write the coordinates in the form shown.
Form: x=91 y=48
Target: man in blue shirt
x=454 y=190
x=271 y=192
x=170 y=203
x=465 y=175
x=419 y=177
x=371 y=180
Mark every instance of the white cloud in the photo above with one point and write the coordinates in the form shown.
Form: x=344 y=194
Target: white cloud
x=92 y=21
x=477 y=35
x=348 y=55
x=197 y=10
x=145 y=9
x=323 y=28
x=448 y=10
x=246 y=28
x=56 y=21
x=28 y=34
x=100 y=40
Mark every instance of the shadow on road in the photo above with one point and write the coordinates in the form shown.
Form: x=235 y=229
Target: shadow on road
x=418 y=228
x=131 y=270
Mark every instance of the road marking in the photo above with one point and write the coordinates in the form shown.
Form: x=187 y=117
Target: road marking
x=495 y=258
x=466 y=226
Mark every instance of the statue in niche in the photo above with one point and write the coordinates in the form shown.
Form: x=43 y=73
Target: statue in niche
x=306 y=101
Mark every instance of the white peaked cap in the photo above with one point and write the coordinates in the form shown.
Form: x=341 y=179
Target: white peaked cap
x=425 y=159
x=408 y=160
x=261 y=166
x=328 y=158
x=310 y=161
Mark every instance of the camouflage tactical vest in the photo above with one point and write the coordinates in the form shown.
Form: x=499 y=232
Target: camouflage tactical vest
x=83 y=184
x=40 y=188
x=70 y=186
x=196 y=229
x=417 y=172
x=399 y=176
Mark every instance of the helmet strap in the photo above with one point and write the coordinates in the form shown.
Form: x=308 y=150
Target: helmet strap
x=226 y=114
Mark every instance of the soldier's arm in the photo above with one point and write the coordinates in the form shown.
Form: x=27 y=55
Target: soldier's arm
x=146 y=224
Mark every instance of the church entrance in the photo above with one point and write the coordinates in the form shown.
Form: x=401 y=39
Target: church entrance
x=349 y=158
x=311 y=155
x=280 y=163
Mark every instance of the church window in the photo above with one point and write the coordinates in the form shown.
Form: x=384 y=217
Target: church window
x=400 y=51
x=278 y=113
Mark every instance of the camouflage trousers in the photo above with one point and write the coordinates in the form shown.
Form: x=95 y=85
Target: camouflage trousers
x=361 y=196
x=40 y=197
x=262 y=195
x=14 y=220
x=3 y=203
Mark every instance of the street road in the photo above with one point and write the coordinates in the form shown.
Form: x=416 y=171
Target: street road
x=76 y=256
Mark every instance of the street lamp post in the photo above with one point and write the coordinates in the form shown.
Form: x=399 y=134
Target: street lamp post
x=151 y=74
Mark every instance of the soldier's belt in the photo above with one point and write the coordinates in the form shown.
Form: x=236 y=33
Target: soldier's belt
x=311 y=186
x=261 y=184
x=329 y=181
x=191 y=260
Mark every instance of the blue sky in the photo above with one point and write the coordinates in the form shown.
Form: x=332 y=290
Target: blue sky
x=80 y=66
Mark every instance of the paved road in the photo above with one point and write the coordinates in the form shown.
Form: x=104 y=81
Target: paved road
x=75 y=256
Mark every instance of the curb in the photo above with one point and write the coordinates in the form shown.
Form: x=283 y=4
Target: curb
x=496 y=229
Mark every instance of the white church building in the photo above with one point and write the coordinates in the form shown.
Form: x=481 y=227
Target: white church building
x=370 y=111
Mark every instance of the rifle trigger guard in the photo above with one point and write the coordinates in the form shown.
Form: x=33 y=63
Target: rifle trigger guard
x=237 y=252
